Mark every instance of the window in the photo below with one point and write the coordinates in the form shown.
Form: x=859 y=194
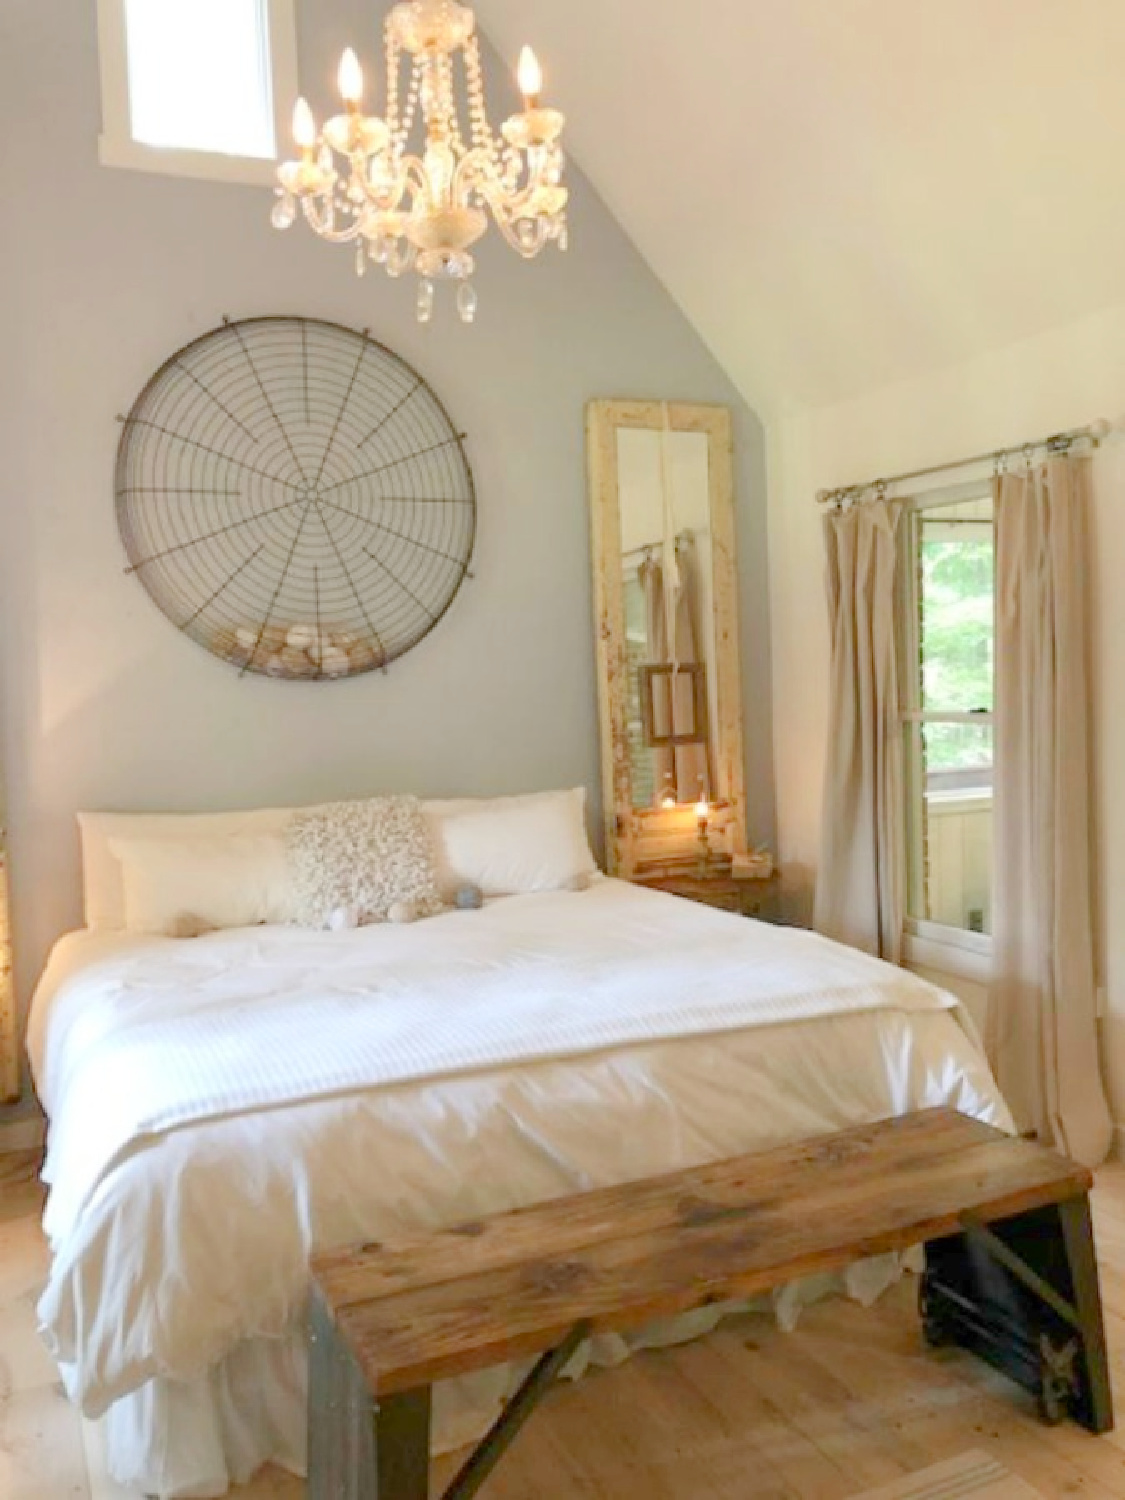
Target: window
x=198 y=87
x=949 y=640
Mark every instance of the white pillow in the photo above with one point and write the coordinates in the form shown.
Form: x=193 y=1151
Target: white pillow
x=181 y=885
x=512 y=845
x=102 y=889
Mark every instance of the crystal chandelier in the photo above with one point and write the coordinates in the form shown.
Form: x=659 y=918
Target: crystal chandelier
x=424 y=208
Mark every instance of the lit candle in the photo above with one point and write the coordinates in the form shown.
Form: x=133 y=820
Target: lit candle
x=530 y=76
x=702 y=811
x=350 y=79
x=304 y=126
x=668 y=799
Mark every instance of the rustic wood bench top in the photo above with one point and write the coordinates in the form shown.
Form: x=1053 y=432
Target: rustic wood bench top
x=438 y=1304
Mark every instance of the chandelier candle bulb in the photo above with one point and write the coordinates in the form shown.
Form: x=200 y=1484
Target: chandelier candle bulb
x=350 y=80
x=530 y=77
x=304 y=128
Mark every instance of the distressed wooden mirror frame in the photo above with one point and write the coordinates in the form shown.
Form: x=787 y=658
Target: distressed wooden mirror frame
x=643 y=841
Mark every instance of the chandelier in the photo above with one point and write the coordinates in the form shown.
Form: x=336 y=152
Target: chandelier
x=422 y=205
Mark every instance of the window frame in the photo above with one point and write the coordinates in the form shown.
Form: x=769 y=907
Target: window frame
x=936 y=945
x=116 y=144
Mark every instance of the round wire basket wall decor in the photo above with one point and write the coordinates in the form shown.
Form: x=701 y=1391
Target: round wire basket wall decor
x=294 y=497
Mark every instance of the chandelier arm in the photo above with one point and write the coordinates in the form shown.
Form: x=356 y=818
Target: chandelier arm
x=506 y=221
x=476 y=173
x=414 y=179
x=476 y=170
x=325 y=226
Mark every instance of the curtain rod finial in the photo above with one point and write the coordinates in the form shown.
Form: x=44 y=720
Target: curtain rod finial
x=1101 y=429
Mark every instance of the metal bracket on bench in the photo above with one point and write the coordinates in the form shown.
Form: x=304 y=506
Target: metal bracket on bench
x=502 y=1433
x=1041 y=1323
x=978 y=1230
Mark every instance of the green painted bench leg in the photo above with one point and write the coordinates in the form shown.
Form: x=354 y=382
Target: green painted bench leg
x=1094 y=1403
x=402 y=1447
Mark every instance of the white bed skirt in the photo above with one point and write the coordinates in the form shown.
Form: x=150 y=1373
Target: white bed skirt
x=250 y=1409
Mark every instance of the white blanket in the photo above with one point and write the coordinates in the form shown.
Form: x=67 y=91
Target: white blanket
x=220 y=1108
x=157 y=1042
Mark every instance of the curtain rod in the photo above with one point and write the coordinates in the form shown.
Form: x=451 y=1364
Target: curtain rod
x=1059 y=442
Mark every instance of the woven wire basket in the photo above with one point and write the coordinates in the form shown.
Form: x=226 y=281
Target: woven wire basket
x=294 y=497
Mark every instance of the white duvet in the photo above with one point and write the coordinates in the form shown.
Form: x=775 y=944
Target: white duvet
x=219 y=1108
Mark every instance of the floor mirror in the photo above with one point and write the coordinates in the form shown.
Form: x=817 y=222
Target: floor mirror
x=665 y=600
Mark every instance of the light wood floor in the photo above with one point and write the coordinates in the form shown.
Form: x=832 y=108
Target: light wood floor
x=848 y=1402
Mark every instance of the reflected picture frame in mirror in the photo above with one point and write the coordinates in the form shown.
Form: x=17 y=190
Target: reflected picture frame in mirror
x=666 y=631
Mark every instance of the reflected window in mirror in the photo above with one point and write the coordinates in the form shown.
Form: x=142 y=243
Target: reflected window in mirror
x=666 y=559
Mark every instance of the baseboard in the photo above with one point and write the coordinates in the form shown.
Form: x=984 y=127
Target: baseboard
x=23 y=1135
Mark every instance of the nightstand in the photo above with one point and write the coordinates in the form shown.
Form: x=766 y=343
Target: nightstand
x=749 y=898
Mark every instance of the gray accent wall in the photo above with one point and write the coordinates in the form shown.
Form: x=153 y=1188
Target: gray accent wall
x=105 y=272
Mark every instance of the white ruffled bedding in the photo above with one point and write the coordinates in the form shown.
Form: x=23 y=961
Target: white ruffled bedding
x=219 y=1108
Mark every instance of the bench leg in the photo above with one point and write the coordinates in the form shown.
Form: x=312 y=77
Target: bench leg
x=1096 y=1403
x=360 y=1450
x=1023 y=1294
x=492 y=1447
x=402 y=1447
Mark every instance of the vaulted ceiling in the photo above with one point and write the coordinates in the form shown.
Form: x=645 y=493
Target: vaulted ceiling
x=843 y=193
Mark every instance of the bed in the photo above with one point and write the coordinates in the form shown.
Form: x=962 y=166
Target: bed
x=222 y=1106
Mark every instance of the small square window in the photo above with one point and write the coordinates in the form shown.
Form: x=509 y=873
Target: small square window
x=194 y=86
x=199 y=75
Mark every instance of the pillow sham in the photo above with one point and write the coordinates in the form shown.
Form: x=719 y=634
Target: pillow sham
x=368 y=855
x=103 y=889
x=510 y=846
x=179 y=887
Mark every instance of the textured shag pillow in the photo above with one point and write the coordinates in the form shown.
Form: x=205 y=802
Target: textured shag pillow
x=361 y=855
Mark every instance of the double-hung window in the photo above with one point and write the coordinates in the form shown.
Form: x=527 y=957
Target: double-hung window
x=948 y=640
x=196 y=87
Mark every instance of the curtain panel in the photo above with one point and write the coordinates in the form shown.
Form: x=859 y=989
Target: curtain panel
x=1042 y=1032
x=9 y=1038
x=860 y=892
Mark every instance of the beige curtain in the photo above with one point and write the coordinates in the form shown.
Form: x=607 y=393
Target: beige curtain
x=861 y=875
x=9 y=1037
x=1042 y=1032
x=686 y=764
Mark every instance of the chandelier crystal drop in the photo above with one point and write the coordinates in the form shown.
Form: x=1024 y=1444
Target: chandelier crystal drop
x=421 y=205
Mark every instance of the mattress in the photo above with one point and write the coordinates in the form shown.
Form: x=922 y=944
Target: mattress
x=221 y=1108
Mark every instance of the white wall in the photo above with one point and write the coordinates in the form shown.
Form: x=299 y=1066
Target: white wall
x=103 y=273
x=1060 y=379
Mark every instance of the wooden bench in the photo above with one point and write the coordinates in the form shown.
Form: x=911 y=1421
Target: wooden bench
x=1010 y=1273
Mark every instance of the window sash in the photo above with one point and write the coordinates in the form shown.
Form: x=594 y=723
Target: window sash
x=919 y=932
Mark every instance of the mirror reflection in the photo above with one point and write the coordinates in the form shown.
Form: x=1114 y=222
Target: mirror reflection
x=668 y=592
